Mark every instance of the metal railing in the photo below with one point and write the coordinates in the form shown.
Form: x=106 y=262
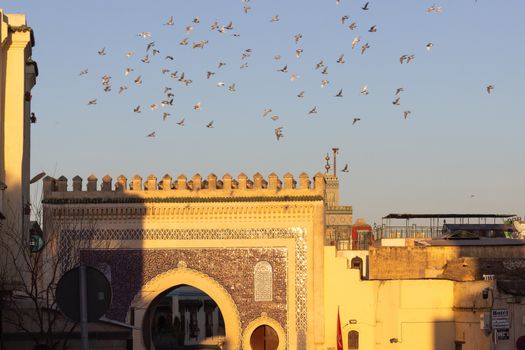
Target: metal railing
x=413 y=231
x=349 y=244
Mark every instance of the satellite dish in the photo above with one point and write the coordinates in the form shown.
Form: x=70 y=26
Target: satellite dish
x=518 y=226
x=36 y=243
x=37 y=177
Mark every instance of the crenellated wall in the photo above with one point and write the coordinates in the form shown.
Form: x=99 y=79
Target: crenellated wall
x=214 y=226
x=182 y=186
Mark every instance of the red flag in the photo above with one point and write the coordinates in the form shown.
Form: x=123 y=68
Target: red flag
x=339 y=334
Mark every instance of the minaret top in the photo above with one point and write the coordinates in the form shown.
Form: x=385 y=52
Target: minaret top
x=327 y=166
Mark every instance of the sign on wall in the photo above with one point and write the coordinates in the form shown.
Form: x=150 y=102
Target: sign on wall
x=500 y=319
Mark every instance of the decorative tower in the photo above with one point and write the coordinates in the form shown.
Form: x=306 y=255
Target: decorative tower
x=332 y=182
x=338 y=218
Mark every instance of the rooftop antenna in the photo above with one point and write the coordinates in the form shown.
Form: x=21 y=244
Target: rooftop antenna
x=336 y=150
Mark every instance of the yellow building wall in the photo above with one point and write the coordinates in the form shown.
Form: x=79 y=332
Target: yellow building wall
x=16 y=79
x=397 y=314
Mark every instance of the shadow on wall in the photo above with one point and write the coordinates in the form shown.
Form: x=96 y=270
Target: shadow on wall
x=145 y=230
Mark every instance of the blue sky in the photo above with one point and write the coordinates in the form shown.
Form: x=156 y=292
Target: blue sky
x=457 y=142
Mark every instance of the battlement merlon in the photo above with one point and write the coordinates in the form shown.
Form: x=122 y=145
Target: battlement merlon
x=196 y=188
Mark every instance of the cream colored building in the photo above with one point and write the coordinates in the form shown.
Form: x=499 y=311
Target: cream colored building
x=17 y=77
x=152 y=235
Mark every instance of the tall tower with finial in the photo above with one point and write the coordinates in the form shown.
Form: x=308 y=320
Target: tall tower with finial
x=332 y=182
x=338 y=217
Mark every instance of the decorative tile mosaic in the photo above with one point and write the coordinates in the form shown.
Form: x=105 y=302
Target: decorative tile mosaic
x=232 y=267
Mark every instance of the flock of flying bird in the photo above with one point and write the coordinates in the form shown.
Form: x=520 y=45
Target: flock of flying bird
x=153 y=52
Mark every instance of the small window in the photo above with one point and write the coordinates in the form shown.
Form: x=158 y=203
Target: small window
x=357 y=263
x=353 y=340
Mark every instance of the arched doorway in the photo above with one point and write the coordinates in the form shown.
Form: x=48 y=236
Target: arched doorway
x=146 y=302
x=264 y=337
x=265 y=333
x=184 y=317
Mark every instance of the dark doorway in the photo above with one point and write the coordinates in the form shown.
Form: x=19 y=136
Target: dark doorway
x=184 y=317
x=264 y=338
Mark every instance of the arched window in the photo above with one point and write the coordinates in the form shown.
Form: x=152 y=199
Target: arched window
x=263 y=281
x=357 y=263
x=353 y=340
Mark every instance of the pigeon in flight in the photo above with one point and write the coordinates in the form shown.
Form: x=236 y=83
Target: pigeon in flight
x=210 y=125
x=364 y=90
x=83 y=72
x=267 y=111
x=209 y=74
x=339 y=94
x=181 y=122
x=344 y=19
x=313 y=110
x=122 y=89
x=297 y=37
x=197 y=106
x=352 y=26
x=284 y=69
x=364 y=47
x=136 y=109
x=355 y=41
x=279 y=132
x=490 y=88
x=373 y=29
x=275 y=18
x=165 y=115
x=355 y=120
x=345 y=169
x=300 y=94
x=152 y=134
x=274 y=117
x=127 y=71
x=150 y=45
x=102 y=52
x=406 y=114
x=138 y=80
x=324 y=83
x=434 y=9
x=231 y=88
x=130 y=53
x=365 y=7
x=144 y=35
x=396 y=101
x=399 y=90
x=92 y=102
x=170 y=22
x=221 y=64
x=341 y=59
x=429 y=46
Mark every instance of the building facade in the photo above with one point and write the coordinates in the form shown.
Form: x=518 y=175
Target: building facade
x=254 y=246
x=18 y=74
